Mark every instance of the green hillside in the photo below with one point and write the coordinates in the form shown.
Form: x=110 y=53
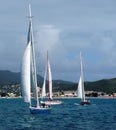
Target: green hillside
x=8 y=77
x=105 y=85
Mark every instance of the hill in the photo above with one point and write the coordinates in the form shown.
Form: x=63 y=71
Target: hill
x=8 y=77
x=104 y=85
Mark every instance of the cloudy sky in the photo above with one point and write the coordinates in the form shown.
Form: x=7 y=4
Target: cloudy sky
x=64 y=28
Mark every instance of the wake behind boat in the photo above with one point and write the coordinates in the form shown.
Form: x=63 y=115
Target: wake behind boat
x=29 y=77
x=81 y=91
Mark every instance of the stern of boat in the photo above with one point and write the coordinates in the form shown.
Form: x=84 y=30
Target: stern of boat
x=40 y=110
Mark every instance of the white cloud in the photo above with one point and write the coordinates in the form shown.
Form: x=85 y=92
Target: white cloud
x=64 y=28
x=64 y=48
x=48 y=37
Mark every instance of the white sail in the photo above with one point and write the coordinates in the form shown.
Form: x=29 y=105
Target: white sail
x=81 y=91
x=43 y=94
x=25 y=74
x=49 y=78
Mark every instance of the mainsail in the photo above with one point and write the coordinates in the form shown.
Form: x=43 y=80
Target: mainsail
x=49 y=78
x=25 y=74
x=43 y=94
x=81 y=91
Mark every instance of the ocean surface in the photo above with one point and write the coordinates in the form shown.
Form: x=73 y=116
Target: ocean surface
x=100 y=115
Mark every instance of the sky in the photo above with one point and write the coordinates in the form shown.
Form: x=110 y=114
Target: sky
x=64 y=28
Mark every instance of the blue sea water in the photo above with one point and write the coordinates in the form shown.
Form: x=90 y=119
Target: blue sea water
x=100 y=115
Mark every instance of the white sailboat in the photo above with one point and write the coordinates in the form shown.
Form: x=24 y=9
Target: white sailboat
x=50 y=94
x=81 y=91
x=28 y=75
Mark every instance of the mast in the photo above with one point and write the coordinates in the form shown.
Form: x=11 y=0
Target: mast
x=33 y=64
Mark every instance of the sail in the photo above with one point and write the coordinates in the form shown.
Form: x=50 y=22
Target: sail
x=43 y=94
x=82 y=78
x=25 y=74
x=79 y=90
x=49 y=78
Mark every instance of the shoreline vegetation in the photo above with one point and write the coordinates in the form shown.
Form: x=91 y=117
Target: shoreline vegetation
x=14 y=90
x=16 y=93
x=100 y=97
x=10 y=86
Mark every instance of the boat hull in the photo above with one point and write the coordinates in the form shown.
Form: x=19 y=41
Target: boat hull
x=40 y=110
x=85 y=102
x=53 y=102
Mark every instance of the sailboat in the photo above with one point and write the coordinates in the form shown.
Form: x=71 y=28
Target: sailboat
x=50 y=94
x=80 y=90
x=29 y=77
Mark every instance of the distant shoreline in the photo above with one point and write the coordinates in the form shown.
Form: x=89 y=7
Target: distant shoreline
x=64 y=97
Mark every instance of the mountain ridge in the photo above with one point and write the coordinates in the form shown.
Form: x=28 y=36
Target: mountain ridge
x=103 y=85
